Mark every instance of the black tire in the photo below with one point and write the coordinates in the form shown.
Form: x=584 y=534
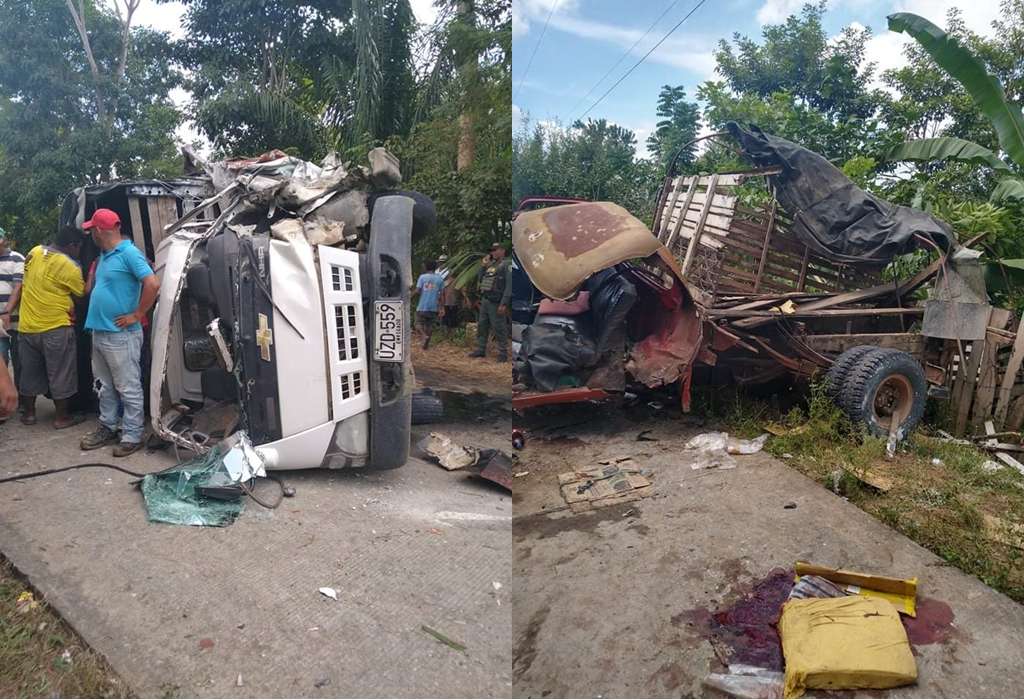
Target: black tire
x=426 y=408
x=879 y=383
x=835 y=378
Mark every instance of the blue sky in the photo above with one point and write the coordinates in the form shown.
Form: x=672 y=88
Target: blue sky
x=584 y=38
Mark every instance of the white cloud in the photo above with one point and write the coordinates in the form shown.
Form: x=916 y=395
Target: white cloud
x=165 y=17
x=977 y=14
x=690 y=53
x=775 y=11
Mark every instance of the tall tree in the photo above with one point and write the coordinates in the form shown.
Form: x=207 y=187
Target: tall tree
x=798 y=84
x=678 y=126
x=71 y=115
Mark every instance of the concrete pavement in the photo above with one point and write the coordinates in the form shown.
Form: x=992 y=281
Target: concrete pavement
x=609 y=603
x=186 y=611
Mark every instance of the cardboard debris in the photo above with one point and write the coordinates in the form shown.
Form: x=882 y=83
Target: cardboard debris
x=604 y=486
x=901 y=593
x=877 y=481
x=844 y=643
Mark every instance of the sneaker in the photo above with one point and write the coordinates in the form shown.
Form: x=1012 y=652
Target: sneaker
x=477 y=353
x=98 y=438
x=124 y=449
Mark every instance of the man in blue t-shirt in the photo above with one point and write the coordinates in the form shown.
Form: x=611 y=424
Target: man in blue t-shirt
x=123 y=293
x=429 y=286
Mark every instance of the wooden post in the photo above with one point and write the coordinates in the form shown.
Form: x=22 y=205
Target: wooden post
x=803 y=269
x=691 y=250
x=692 y=190
x=1010 y=377
x=138 y=234
x=764 y=248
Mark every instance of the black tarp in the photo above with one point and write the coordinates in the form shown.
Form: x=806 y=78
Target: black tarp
x=830 y=213
x=554 y=351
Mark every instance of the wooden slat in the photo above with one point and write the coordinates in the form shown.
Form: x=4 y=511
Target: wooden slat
x=822 y=313
x=853 y=297
x=987 y=381
x=839 y=342
x=676 y=187
x=679 y=223
x=764 y=248
x=803 y=269
x=692 y=248
x=135 y=214
x=1009 y=377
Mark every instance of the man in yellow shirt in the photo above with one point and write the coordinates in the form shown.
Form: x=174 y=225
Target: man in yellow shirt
x=46 y=343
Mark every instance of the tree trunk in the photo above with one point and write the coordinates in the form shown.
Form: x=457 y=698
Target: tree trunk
x=467 y=58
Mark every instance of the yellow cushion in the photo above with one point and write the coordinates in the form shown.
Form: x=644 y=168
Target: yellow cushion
x=850 y=642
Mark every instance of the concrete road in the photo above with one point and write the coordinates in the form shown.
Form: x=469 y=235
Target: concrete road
x=607 y=604
x=187 y=611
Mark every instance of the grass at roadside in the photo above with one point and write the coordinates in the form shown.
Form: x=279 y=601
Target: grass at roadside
x=40 y=656
x=935 y=492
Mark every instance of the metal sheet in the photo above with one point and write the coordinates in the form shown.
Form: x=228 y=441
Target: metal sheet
x=955 y=320
x=560 y=247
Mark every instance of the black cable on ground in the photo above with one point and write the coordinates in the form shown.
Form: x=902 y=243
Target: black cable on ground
x=285 y=491
x=58 y=470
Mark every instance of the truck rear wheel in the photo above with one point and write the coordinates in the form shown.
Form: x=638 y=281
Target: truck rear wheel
x=882 y=385
x=835 y=379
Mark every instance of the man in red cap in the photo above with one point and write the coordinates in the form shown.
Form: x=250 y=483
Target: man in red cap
x=123 y=293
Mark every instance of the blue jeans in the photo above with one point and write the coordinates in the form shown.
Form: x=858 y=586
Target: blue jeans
x=115 y=364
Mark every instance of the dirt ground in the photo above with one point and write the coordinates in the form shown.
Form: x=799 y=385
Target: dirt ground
x=446 y=365
x=615 y=602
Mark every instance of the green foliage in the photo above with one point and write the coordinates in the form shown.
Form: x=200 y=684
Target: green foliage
x=54 y=136
x=798 y=84
x=595 y=160
x=474 y=204
x=678 y=126
x=971 y=73
x=947 y=148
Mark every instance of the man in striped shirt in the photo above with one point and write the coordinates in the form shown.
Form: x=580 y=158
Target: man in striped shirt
x=12 y=271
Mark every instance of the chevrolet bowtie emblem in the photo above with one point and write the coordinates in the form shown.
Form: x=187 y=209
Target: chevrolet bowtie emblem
x=264 y=337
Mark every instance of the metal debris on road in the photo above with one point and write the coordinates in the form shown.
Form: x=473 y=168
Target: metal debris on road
x=448 y=453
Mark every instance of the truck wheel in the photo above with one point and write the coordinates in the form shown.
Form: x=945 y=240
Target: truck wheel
x=884 y=383
x=835 y=378
x=426 y=408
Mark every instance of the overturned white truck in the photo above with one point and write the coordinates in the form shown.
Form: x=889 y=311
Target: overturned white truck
x=283 y=305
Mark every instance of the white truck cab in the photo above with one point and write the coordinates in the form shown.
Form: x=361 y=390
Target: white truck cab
x=283 y=312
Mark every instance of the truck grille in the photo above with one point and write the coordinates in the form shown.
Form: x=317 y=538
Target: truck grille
x=346 y=341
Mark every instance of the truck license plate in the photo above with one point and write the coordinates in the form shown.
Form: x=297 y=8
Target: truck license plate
x=388 y=318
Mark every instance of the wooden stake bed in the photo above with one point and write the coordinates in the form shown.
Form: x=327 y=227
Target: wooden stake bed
x=777 y=301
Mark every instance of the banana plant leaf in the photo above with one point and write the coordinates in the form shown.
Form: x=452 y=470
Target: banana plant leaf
x=1008 y=188
x=947 y=148
x=464 y=267
x=970 y=72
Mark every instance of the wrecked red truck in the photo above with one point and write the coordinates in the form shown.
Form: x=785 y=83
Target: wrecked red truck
x=749 y=286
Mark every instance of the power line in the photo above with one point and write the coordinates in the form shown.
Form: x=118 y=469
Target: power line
x=623 y=56
x=535 y=47
x=642 y=59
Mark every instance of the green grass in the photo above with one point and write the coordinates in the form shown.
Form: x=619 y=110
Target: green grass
x=33 y=642
x=946 y=506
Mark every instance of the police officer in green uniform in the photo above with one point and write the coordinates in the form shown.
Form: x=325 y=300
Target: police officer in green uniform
x=495 y=286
